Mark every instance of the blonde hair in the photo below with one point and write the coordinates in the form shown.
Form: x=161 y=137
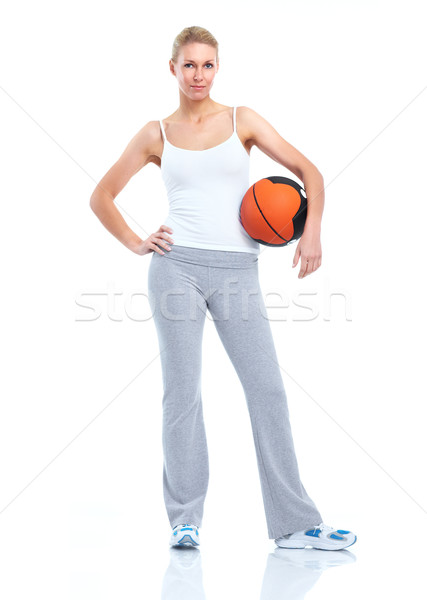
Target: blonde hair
x=190 y=35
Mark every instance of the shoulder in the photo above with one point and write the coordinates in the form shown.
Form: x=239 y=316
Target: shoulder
x=249 y=123
x=147 y=136
x=148 y=141
x=150 y=133
x=248 y=117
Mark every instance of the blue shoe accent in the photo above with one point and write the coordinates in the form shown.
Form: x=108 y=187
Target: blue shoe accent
x=187 y=540
x=313 y=532
x=336 y=537
x=342 y=531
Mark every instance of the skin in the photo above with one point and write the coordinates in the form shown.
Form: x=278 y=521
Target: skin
x=197 y=124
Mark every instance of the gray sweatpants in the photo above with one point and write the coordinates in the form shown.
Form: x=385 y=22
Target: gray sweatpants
x=182 y=284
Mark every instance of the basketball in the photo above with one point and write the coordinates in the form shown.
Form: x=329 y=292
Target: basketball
x=274 y=210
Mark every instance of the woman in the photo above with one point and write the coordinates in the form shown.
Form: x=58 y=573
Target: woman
x=202 y=259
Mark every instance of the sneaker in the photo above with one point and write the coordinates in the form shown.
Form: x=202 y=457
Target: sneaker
x=322 y=537
x=185 y=535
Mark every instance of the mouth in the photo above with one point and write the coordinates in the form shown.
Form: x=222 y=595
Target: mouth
x=198 y=87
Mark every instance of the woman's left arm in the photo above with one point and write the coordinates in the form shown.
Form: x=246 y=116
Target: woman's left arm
x=259 y=132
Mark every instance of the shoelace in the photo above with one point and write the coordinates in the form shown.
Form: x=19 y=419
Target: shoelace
x=324 y=527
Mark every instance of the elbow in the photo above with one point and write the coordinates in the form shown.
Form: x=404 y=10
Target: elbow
x=96 y=198
x=310 y=171
x=316 y=171
x=94 y=203
x=100 y=198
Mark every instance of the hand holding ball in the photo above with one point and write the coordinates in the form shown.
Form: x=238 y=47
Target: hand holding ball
x=273 y=211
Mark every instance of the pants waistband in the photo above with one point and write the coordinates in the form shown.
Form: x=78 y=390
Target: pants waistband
x=211 y=258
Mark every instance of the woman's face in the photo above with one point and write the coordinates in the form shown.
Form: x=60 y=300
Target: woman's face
x=195 y=69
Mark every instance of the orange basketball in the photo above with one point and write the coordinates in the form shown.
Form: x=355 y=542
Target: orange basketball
x=274 y=210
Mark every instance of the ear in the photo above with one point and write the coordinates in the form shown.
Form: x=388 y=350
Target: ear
x=172 y=68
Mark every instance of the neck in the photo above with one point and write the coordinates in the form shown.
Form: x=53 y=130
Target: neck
x=194 y=110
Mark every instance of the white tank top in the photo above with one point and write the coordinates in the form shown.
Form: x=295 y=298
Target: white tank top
x=205 y=189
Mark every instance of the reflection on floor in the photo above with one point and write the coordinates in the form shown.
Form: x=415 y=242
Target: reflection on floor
x=289 y=573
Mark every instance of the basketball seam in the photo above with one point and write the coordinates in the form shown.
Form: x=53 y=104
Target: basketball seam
x=259 y=208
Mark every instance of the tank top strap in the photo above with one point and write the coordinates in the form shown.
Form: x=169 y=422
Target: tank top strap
x=163 y=130
x=234 y=119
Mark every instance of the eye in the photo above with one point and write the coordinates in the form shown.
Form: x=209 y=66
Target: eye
x=189 y=64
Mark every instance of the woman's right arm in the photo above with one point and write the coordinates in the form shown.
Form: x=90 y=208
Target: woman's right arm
x=139 y=152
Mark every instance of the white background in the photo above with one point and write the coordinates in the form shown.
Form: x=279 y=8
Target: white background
x=82 y=512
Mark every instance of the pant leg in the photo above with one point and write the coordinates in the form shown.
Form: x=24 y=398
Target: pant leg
x=179 y=310
x=238 y=311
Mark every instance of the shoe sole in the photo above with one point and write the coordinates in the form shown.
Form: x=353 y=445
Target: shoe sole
x=317 y=545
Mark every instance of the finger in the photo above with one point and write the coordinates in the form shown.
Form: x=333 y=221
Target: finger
x=160 y=239
x=316 y=263
x=296 y=256
x=167 y=237
x=162 y=243
x=304 y=266
x=165 y=228
x=157 y=249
